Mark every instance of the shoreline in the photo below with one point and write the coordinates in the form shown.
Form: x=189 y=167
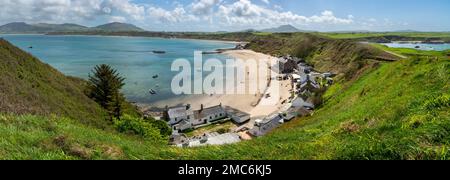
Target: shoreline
x=248 y=103
x=127 y=36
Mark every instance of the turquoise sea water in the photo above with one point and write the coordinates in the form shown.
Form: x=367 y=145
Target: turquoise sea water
x=131 y=56
x=426 y=47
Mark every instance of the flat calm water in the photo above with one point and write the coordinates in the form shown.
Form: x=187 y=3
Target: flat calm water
x=421 y=46
x=131 y=56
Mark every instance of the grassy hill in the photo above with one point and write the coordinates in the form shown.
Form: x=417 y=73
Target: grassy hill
x=118 y=27
x=346 y=58
x=399 y=110
x=390 y=110
x=29 y=86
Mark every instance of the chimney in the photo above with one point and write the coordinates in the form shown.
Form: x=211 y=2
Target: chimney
x=188 y=107
x=201 y=107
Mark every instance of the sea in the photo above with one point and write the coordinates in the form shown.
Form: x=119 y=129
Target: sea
x=133 y=57
x=420 y=46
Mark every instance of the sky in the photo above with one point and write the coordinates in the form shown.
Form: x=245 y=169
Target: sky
x=236 y=15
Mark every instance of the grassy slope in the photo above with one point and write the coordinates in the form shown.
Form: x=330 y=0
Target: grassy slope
x=386 y=114
x=389 y=113
x=344 y=57
x=32 y=87
x=399 y=110
x=29 y=86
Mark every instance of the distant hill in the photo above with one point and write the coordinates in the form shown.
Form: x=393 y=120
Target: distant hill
x=43 y=28
x=407 y=31
x=118 y=27
x=249 y=31
x=20 y=27
x=29 y=86
x=351 y=31
x=282 y=29
x=62 y=27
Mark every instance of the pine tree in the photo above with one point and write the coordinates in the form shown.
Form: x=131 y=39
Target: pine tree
x=105 y=85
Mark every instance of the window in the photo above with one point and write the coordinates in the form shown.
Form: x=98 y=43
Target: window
x=188 y=117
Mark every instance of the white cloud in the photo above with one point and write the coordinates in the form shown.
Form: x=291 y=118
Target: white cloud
x=244 y=12
x=204 y=7
x=117 y=19
x=231 y=14
x=179 y=14
x=266 y=1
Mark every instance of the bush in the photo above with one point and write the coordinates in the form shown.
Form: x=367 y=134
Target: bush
x=223 y=131
x=164 y=129
x=128 y=124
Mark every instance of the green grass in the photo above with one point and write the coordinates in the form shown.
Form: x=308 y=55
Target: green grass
x=211 y=128
x=29 y=86
x=32 y=137
x=413 y=52
x=262 y=33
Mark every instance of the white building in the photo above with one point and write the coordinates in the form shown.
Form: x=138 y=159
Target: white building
x=178 y=114
x=208 y=115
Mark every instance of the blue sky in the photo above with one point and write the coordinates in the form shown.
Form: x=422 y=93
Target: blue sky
x=234 y=15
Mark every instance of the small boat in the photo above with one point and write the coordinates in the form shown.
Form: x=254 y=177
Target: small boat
x=152 y=92
x=159 y=52
x=417 y=47
x=155 y=76
x=31 y=47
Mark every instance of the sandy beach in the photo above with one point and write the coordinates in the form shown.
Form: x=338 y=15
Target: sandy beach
x=257 y=105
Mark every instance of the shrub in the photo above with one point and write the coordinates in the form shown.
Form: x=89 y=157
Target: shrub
x=222 y=131
x=164 y=129
x=128 y=124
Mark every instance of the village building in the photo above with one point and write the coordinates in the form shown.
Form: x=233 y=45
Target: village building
x=237 y=116
x=240 y=47
x=262 y=127
x=184 y=118
x=177 y=114
x=183 y=125
x=301 y=103
x=286 y=64
x=307 y=86
x=208 y=115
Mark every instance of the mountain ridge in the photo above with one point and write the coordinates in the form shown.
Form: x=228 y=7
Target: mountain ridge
x=282 y=29
x=22 y=27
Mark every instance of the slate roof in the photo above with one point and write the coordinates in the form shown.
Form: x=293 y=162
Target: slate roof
x=201 y=114
x=178 y=112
